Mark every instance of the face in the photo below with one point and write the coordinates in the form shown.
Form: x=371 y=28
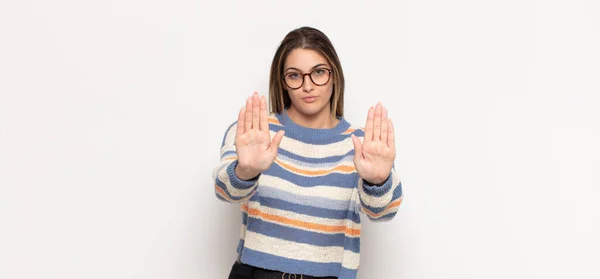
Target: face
x=310 y=99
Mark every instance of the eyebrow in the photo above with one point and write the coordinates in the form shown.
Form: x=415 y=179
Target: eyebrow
x=315 y=66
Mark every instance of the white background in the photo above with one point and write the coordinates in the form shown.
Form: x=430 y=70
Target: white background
x=112 y=114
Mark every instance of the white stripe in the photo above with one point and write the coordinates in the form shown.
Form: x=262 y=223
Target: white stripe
x=351 y=260
x=229 y=144
x=300 y=251
x=316 y=150
x=379 y=201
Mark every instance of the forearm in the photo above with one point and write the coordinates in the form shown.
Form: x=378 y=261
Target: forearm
x=230 y=187
x=381 y=201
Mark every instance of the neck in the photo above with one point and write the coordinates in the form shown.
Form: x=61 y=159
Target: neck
x=320 y=120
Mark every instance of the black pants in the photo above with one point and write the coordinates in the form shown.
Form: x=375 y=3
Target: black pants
x=243 y=271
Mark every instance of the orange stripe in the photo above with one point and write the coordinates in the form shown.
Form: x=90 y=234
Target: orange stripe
x=391 y=205
x=233 y=157
x=222 y=193
x=274 y=121
x=300 y=224
x=350 y=130
x=315 y=172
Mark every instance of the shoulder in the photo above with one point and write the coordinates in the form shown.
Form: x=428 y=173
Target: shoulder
x=274 y=120
x=354 y=130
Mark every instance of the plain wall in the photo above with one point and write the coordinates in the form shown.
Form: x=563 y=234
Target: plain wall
x=112 y=114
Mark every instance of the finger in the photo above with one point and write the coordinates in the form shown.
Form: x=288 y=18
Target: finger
x=264 y=117
x=255 y=111
x=240 y=122
x=248 y=116
x=377 y=123
x=369 y=126
x=276 y=141
x=391 y=141
x=357 y=147
x=384 y=125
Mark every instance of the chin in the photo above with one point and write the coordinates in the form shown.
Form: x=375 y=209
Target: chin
x=311 y=110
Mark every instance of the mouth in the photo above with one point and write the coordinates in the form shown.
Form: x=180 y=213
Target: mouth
x=310 y=99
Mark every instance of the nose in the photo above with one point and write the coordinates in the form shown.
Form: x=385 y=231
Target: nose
x=307 y=85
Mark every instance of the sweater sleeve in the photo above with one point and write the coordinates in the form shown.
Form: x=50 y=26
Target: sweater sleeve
x=228 y=186
x=380 y=202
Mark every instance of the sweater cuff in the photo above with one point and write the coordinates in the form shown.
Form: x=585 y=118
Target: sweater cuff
x=236 y=181
x=378 y=190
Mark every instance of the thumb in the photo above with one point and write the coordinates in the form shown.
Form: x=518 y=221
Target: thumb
x=357 y=147
x=276 y=141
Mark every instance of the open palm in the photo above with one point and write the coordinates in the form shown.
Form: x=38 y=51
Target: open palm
x=374 y=157
x=255 y=150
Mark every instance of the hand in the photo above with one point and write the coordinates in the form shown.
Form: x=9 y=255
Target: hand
x=374 y=157
x=255 y=150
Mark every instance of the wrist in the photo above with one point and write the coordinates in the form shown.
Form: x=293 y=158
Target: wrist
x=245 y=173
x=377 y=181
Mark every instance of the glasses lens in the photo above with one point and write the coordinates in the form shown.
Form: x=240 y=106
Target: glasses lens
x=293 y=80
x=320 y=76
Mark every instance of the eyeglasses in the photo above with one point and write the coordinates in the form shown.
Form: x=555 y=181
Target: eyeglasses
x=319 y=77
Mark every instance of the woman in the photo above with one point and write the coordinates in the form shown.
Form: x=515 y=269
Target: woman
x=302 y=173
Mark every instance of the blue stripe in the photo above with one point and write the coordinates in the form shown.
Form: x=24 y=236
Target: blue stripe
x=348 y=273
x=272 y=262
x=302 y=138
x=395 y=195
x=319 y=141
x=269 y=192
x=384 y=218
x=378 y=191
x=359 y=133
x=244 y=218
x=240 y=246
x=303 y=236
x=344 y=180
x=306 y=209
x=236 y=182
x=236 y=198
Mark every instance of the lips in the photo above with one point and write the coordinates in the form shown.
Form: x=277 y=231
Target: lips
x=310 y=99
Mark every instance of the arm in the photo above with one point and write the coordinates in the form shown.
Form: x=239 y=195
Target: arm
x=246 y=151
x=229 y=187
x=380 y=202
x=379 y=188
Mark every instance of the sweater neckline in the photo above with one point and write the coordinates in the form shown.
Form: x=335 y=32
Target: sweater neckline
x=316 y=133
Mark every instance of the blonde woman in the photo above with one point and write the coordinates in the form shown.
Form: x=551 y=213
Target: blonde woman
x=302 y=174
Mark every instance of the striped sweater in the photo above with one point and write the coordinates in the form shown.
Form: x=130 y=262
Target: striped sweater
x=302 y=215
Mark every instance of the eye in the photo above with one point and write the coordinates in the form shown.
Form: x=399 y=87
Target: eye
x=319 y=72
x=293 y=75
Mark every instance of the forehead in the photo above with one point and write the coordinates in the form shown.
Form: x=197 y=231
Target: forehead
x=304 y=59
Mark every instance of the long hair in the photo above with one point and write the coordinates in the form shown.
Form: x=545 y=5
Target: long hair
x=305 y=38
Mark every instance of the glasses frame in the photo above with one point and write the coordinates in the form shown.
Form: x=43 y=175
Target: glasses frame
x=309 y=76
